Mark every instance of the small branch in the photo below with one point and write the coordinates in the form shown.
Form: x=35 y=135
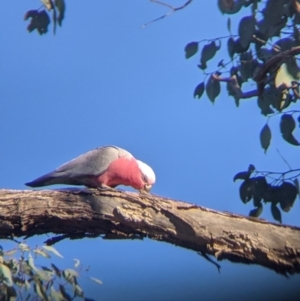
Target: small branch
x=232 y=81
x=205 y=256
x=173 y=9
x=284 y=160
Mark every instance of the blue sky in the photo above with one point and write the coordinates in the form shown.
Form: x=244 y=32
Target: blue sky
x=103 y=80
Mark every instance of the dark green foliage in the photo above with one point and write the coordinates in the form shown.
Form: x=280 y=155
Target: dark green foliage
x=246 y=191
x=40 y=18
x=288 y=193
x=256 y=212
x=243 y=175
x=287 y=126
x=233 y=8
x=265 y=137
x=191 y=49
x=247 y=65
x=256 y=188
x=276 y=213
x=253 y=188
x=212 y=88
x=230 y=47
x=61 y=7
x=39 y=21
x=199 y=90
x=246 y=30
x=208 y=52
x=229 y=24
x=21 y=278
x=255 y=54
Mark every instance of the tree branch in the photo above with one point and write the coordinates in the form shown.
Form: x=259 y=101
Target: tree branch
x=232 y=81
x=173 y=9
x=272 y=65
x=117 y=214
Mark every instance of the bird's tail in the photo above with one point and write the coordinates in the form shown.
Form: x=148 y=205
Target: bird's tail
x=45 y=180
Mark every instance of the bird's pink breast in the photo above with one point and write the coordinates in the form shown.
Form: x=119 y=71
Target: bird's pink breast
x=123 y=171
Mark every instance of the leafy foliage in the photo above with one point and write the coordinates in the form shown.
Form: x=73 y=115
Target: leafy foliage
x=191 y=49
x=199 y=90
x=208 y=52
x=282 y=191
x=265 y=137
x=287 y=126
x=262 y=51
x=212 y=88
x=40 y=19
x=25 y=279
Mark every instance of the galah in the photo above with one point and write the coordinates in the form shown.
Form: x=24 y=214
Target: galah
x=104 y=166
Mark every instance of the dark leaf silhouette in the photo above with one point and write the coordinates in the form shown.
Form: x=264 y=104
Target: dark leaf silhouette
x=238 y=48
x=208 y=52
x=288 y=193
x=212 y=88
x=256 y=212
x=265 y=137
x=287 y=126
x=246 y=30
x=276 y=213
x=259 y=186
x=230 y=47
x=199 y=90
x=296 y=183
x=39 y=21
x=191 y=49
x=229 y=24
x=61 y=7
x=251 y=168
x=244 y=175
x=246 y=191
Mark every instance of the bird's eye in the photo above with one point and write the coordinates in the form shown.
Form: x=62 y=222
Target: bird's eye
x=145 y=178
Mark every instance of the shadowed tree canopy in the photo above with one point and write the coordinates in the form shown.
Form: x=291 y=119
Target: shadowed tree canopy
x=263 y=52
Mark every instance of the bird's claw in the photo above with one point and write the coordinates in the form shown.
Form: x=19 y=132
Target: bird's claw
x=105 y=187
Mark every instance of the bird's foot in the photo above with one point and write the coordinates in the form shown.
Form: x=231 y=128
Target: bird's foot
x=105 y=187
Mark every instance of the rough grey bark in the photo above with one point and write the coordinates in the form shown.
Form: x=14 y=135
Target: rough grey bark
x=117 y=214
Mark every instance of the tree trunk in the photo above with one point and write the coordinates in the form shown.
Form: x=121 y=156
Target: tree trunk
x=116 y=214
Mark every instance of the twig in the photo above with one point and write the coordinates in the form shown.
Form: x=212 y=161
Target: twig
x=284 y=160
x=173 y=9
x=204 y=255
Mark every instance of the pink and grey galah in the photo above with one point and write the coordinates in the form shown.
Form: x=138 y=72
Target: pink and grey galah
x=104 y=166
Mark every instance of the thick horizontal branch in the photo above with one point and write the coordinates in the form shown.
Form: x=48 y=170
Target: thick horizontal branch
x=117 y=214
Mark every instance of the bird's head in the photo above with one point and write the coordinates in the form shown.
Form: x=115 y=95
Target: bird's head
x=148 y=175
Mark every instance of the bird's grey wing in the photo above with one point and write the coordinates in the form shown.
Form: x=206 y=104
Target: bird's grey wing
x=92 y=163
x=80 y=170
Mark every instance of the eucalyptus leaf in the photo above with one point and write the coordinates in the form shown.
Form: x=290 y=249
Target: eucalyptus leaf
x=265 y=137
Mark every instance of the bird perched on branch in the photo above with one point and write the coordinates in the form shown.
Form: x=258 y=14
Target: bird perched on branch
x=104 y=166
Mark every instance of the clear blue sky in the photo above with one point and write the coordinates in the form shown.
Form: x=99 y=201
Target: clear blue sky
x=103 y=80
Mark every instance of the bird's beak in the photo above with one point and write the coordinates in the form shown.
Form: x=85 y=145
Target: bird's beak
x=146 y=189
